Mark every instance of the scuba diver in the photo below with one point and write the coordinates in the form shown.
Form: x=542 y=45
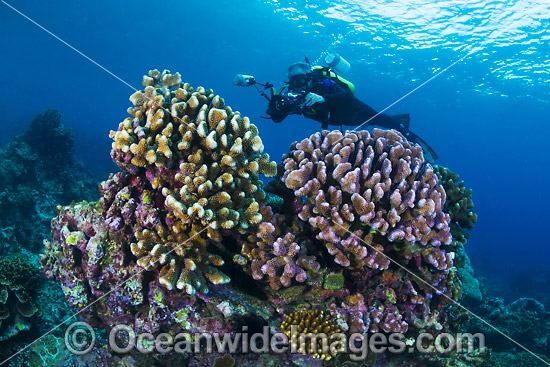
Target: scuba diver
x=320 y=94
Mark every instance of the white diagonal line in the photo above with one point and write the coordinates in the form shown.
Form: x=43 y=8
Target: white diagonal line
x=412 y=91
x=93 y=61
x=69 y=45
x=100 y=298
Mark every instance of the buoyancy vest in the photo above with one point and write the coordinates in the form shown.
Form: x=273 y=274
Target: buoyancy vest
x=323 y=72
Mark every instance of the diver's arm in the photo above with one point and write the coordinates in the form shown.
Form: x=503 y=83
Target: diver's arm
x=277 y=118
x=312 y=98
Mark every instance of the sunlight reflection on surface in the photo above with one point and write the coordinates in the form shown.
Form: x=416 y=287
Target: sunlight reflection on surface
x=513 y=35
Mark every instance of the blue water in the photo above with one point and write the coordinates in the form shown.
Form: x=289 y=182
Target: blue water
x=487 y=116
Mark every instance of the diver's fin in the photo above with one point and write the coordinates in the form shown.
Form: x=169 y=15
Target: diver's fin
x=403 y=119
x=429 y=154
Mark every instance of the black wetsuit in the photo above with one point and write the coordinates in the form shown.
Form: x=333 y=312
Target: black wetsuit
x=341 y=107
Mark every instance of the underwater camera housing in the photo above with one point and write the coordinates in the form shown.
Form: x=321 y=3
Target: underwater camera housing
x=288 y=103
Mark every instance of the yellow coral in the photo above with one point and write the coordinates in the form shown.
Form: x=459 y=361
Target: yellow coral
x=215 y=116
x=138 y=98
x=122 y=140
x=163 y=146
x=257 y=145
x=170 y=80
x=212 y=153
x=306 y=324
x=151 y=157
x=155 y=120
x=181 y=94
x=228 y=161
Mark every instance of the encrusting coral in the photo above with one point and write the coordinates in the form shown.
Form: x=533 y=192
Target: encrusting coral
x=17 y=299
x=300 y=325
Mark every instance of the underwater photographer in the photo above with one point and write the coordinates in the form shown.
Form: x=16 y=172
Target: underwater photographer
x=321 y=94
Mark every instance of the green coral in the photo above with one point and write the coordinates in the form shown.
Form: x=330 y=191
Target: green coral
x=390 y=294
x=275 y=202
x=459 y=204
x=18 y=279
x=181 y=317
x=334 y=281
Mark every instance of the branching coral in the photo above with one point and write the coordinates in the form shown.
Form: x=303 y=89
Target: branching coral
x=373 y=188
x=278 y=252
x=459 y=204
x=205 y=160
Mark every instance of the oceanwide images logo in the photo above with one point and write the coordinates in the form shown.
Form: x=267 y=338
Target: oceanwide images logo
x=80 y=339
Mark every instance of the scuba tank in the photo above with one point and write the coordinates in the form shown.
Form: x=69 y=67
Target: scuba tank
x=337 y=63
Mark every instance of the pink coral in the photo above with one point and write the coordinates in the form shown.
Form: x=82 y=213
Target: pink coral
x=375 y=182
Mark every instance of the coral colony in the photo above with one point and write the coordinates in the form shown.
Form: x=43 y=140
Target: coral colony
x=188 y=227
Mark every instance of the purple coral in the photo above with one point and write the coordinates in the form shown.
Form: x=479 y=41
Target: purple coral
x=372 y=198
x=362 y=188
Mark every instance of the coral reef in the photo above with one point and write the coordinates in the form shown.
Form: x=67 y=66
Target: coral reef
x=31 y=306
x=159 y=227
x=38 y=172
x=525 y=320
x=299 y=323
x=185 y=239
x=516 y=359
x=205 y=160
x=372 y=198
x=18 y=279
x=459 y=204
x=51 y=351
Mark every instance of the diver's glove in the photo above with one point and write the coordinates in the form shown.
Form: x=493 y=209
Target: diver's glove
x=312 y=98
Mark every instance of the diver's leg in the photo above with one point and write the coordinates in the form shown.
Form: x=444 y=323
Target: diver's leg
x=363 y=113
